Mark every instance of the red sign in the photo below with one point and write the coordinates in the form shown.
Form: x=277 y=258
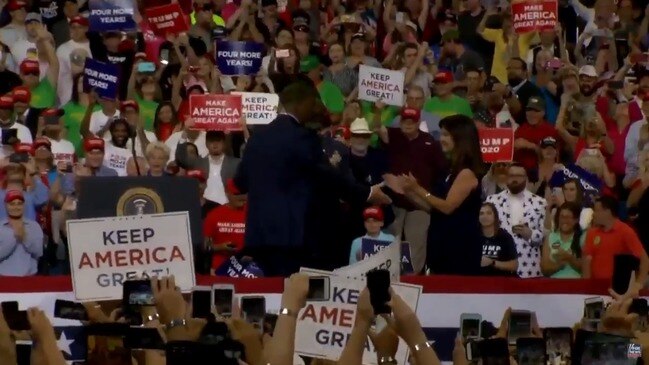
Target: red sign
x=166 y=19
x=534 y=15
x=216 y=112
x=497 y=144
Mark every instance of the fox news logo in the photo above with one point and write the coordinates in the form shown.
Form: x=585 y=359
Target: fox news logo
x=634 y=351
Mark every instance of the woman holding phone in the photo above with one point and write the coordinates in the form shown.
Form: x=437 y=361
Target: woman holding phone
x=561 y=253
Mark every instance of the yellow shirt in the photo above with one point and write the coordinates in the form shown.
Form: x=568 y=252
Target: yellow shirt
x=501 y=54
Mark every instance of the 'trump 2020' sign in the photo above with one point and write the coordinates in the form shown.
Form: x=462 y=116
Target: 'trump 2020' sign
x=105 y=252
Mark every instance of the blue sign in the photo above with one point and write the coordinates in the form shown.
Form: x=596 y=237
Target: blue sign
x=370 y=247
x=591 y=184
x=236 y=268
x=111 y=15
x=101 y=77
x=239 y=58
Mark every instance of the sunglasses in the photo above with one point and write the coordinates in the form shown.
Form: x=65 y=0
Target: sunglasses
x=301 y=28
x=203 y=7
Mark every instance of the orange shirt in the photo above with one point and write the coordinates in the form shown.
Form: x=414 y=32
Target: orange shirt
x=602 y=246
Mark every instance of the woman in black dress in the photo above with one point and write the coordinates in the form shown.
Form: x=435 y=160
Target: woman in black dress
x=454 y=235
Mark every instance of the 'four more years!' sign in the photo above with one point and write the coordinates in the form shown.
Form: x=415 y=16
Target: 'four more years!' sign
x=379 y=84
x=105 y=252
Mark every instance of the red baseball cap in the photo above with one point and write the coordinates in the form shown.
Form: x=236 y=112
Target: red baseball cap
x=41 y=142
x=14 y=5
x=80 y=20
x=21 y=94
x=231 y=187
x=410 y=113
x=12 y=195
x=6 y=102
x=23 y=148
x=30 y=67
x=196 y=174
x=129 y=104
x=93 y=143
x=52 y=113
x=373 y=213
x=443 y=77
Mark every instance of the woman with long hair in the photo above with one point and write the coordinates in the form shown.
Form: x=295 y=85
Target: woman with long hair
x=499 y=255
x=454 y=235
x=166 y=121
x=561 y=253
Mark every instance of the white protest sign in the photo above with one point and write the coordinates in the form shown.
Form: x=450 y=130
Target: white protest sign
x=376 y=84
x=259 y=108
x=323 y=328
x=389 y=258
x=105 y=252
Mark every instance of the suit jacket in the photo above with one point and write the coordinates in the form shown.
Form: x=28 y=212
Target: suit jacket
x=284 y=170
x=529 y=251
x=228 y=168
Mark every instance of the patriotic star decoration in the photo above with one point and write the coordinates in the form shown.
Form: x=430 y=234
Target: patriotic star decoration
x=63 y=343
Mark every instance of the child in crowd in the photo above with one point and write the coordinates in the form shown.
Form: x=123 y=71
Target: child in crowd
x=373 y=217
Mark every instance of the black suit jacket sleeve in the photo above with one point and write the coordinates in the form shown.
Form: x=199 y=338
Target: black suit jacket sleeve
x=312 y=158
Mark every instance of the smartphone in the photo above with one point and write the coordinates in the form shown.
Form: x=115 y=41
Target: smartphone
x=520 y=325
x=20 y=157
x=8 y=135
x=558 y=344
x=282 y=53
x=201 y=302
x=137 y=293
x=615 y=84
x=470 y=324
x=17 y=321
x=378 y=284
x=530 y=351
x=164 y=56
x=223 y=295
x=143 y=338
x=601 y=348
x=253 y=309
x=554 y=64
x=318 y=289
x=593 y=310
x=70 y=310
x=494 y=351
x=9 y=307
x=400 y=18
x=146 y=67
x=623 y=266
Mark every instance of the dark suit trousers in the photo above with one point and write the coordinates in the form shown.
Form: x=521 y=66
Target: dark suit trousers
x=278 y=260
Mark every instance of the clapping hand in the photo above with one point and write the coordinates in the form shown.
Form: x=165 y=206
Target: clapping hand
x=408 y=182
x=377 y=196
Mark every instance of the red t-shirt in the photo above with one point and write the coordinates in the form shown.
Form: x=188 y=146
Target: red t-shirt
x=224 y=224
x=535 y=134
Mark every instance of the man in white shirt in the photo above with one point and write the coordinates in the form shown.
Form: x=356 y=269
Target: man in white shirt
x=220 y=168
x=187 y=135
x=130 y=110
x=99 y=120
x=62 y=150
x=8 y=121
x=14 y=31
x=27 y=48
x=67 y=54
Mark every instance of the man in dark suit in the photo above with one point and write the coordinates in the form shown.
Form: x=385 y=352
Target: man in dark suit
x=289 y=182
x=219 y=168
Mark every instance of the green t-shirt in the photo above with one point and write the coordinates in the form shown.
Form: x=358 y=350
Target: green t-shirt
x=72 y=118
x=567 y=272
x=43 y=95
x=332 y=97
x=454 y=105
x=147 y=112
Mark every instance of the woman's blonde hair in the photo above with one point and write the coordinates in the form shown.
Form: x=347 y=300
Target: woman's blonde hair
x=591 y=163
x=157 y=146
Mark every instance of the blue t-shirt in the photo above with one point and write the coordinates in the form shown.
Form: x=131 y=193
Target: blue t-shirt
x=357 y=244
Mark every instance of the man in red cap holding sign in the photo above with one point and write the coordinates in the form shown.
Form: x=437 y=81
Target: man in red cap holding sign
x=21 y=240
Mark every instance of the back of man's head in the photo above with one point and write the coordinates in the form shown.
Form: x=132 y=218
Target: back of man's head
x=297 y=91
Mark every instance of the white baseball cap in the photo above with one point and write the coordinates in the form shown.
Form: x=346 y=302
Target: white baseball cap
x=360 y=126
x=588 y=70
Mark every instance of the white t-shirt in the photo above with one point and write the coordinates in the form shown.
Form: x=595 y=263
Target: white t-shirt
x=98 y=120
x=23 y=134
x=215 y=190
x=138 y=146
x=116 y=158
x=62 y=151
x=23 y=49
x=64 y=54
x=177 y=137
x=516 y=209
